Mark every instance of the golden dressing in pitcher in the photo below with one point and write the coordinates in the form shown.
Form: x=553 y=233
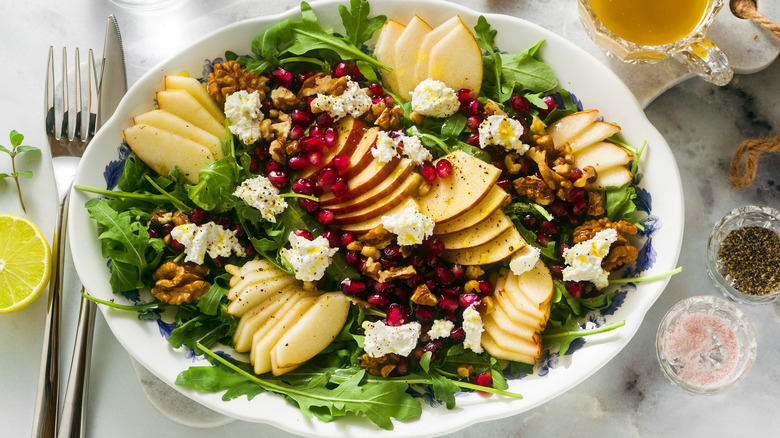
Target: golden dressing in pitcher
x=650 y=22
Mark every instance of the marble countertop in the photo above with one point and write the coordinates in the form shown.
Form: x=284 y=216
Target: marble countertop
x=703 y=125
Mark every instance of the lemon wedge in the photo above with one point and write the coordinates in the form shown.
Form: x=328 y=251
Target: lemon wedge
x=25 y=263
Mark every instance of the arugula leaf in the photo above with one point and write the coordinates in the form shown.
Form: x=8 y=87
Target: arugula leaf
x=444 y=389
x=216 y=183
x=494 y=86
x=526 y=71
x=567 y=333
x=359 y=28
x=453 y=125
x=619 y=203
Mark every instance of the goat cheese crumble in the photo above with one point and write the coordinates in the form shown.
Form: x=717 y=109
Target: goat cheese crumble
x=584 y=259
x=309 y=258
x=385 y=148
x=472 y=325
x=502 y=131
x=441 y=328
x=382 y=339
x=434 y=99
x=524 y=260
x=262 y=195
x=210 y=238
x=353 y=101
x=415 y=151
x=243 y=110
x=410 y=226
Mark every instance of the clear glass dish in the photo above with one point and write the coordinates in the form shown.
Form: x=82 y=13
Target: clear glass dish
x=750 y=215
x=705 y=345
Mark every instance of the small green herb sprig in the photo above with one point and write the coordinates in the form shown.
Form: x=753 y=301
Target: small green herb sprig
x=17 y=148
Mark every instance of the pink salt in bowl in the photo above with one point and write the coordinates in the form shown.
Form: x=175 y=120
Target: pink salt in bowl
x=705 y=345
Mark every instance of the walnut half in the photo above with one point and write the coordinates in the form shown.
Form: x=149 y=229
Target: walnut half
x=180 y=283
x=229 y=77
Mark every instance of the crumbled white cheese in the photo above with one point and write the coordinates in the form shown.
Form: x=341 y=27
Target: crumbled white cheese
x=353 y=101
x=410 y=226
x=434 y=99
x=385 y=148
x=382 y=339
x=584 y=259
x=243 y=110
x=415 y=151
x=472 y=325
x=207 y=238
x=502 y=131
x=441 y=328
x=309 y=258
x=524 y=260
x=262 y=195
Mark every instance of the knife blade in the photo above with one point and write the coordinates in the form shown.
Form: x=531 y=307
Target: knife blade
x=113 y=85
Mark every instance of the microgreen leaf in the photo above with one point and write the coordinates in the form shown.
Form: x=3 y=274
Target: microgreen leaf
x=358 y=27
x=17 y=148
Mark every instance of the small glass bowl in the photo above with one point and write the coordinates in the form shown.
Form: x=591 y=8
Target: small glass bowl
x=750 y=215
x=723 y=315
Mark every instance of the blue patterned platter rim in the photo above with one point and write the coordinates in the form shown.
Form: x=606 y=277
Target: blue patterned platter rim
x=659 y=200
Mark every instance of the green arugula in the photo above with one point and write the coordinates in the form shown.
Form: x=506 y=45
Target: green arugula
x=17 y=148
x=359 y=28
x=566 y=334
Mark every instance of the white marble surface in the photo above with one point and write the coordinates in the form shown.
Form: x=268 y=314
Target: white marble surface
x=629 y=397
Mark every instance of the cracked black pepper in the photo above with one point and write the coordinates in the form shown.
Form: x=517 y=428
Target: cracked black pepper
x=750 y=258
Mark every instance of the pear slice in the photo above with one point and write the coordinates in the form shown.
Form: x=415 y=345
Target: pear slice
x=593 y=133
x=164 y=151
x=379 y=191
x=566 y=128
x=182 y=104
x=267 y=337
x=375 y=174
x=495 y=350
x=370 y=224
x=238 y=273
x=351 y=132
x=198 y=91
x=480 y=233
x=382 y=206
x=256 y=293
x=612 y=177
x=433 y=37
x=501 y=247
x=499 y=318
x=176 y=125
x=257 y=317
x=406 y=48
x=253 y=278
x=501 y=299
x=519 y=300
x=456 y=60
x=314 y=331
x=495 y=198
x=536 y=284
x=602 y=155
x=384 y=51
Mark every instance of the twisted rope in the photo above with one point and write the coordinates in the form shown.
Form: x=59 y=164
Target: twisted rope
x=741 y=175
x=747 y=10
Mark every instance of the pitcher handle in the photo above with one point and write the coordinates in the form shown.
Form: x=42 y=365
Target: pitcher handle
x=706 y=60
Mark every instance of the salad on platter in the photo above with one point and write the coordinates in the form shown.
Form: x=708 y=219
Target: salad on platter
x=358 y=228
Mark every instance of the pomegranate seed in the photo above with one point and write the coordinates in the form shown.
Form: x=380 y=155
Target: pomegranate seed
x=283 y=77
x=574 y=289
x=315 y=158
x=340 y=69
x=352 y=257
x=530 y=221
x=458 y=334
x=504 y=183
x=576 y=194
x=297 y=132
x=558 y=209
x=444 y=275
x=576 y=173
x=272 y=166
x=389 y=101
x=557 y=268
x=474 y=108
x=572 y=220
x=432 y=284
x=550 y=105
x=379 y=300
x=352 y=287
x=542 y=240
x=396 y=315
x=325 y=216
x=402 y=368
x=153 y=233
x=223 y=222
x=316 y=131
x=249 y=250
x=301 y=77
x=347 y=238
x=266 y=106
x=325 y=119
x=177 y=246
x=167 y=228
x=219 y=262
x=311 y=144
x=278 y=178
x=485 y=287
x=485 y=378
x=423 y=314
x=326 y=177
x=303 y=186
x=254 y=164
x=376 y=89
x=473 y=139
x=309 y=100
x=435 y=245
x=561 y=248
x=458 y=272
x=199 y=216
x=465 y=95
x=520 y=104
x=362 y=263
x=432 y=346
x=417 y=261
x=341 y=163
x=466 y=300
x=428 y=171
x=306 y=234
x=354 y=71
x=388 y=264
x=298 y=162
x=473 y=122
x=377 y=99
x=383 y=288
x=308 y=205
x=452 y=291
x=392 y=252
x=330 y=137
x=524 y=124
x=447 y=302
x=431 y=259
x=332 y=237
x=443 y=168
x=300 y=117
x=415 y=280
x=549 y=228
x=580 y=207
x=238 y=230
x=339 y=187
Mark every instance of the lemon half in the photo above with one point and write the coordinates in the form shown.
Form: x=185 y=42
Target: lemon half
x=25 y=263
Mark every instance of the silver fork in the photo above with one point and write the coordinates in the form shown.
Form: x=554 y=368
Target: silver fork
x=68 y=136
